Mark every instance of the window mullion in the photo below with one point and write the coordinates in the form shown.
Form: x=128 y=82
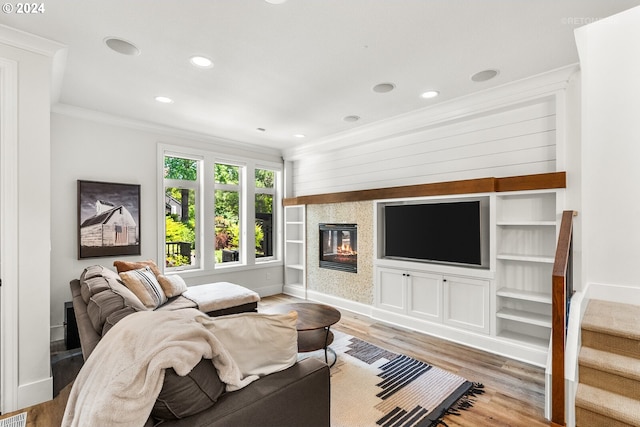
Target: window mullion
x=249 y=214
x=208 y=215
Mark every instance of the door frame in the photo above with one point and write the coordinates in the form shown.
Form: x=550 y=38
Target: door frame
x=9 y=235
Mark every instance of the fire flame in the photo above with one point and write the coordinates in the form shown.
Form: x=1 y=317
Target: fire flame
x=345 y=249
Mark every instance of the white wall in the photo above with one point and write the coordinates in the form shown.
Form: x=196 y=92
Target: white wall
x=610 y=148
x=31 y=255
x=571 y=153
x=90 y=146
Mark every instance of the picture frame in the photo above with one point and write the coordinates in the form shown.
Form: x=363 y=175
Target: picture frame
x=108 y=219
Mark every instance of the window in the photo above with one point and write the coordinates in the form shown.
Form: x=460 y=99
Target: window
x=227 y=210
x=264 y=209
x=181 y=184
x=218 y=213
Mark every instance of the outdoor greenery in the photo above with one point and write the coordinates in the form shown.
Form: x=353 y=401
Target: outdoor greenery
x=227 y=207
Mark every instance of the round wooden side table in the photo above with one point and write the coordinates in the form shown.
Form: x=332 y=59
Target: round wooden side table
x=313 y=326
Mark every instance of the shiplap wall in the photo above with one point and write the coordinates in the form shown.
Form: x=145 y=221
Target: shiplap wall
x=511 y=141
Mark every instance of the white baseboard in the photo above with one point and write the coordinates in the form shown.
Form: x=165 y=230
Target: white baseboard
x=353 y=306
x=56 y=333
x=337 y=302
x=265 y=291
x=35 y=392
x=294 y=291
x=622 y=294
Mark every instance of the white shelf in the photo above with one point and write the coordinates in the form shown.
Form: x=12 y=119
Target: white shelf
x=525 y=317
x=294 y=249
x=526 y=223
x=523 y=338
x=527 y=258
x=540 y=297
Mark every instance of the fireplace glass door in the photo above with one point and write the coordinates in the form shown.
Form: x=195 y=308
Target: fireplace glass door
x=339 y=247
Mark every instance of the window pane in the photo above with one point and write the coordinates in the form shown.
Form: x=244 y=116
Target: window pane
x=265 y=178
x=178 y=168
x=180 y=227
x=227 y=226
x=264 y=225
x=227 y=174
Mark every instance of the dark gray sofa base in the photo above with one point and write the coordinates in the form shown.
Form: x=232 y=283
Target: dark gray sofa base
x=298 y=396
x=243 y=308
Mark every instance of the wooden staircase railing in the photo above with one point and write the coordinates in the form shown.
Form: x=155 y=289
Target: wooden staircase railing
x=562 y=288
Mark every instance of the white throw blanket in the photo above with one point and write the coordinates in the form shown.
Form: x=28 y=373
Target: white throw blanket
x=122 y=378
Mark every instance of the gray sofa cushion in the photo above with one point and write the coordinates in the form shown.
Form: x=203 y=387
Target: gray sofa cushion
x=115 y=317
x=181 y=397
x=105 y=295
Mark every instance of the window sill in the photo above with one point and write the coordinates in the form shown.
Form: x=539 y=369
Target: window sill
x=236 y=268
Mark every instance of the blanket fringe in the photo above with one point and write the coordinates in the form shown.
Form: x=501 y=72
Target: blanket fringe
x=464 y=403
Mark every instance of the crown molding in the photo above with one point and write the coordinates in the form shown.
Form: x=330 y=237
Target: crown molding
x=477 y=104
x=139 y=125
x=30 y=42
x=41 y=46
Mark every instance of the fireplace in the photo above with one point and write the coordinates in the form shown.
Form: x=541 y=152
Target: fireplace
x=339 y=247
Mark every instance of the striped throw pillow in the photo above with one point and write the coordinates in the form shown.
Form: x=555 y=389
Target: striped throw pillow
x=145 y=286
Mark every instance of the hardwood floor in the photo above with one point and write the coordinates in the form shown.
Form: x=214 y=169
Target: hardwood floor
x=514 y=391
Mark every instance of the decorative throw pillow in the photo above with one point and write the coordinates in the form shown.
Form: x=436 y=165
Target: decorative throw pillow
x=172 y=285
x=145 y=286
x=123 y=266
x=184 y=396
x=259 y=343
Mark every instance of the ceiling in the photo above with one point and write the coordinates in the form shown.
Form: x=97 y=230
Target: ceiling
x=301 y=66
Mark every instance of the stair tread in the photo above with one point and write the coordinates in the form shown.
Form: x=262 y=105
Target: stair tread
x=612 y=318
x=609 y=404
x=624 y=366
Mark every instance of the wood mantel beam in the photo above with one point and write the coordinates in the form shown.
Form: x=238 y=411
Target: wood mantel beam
x=468 y=186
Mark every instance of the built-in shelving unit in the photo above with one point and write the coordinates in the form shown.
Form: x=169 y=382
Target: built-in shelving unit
x=503 y=307
x=525 y=244
x=294 y=240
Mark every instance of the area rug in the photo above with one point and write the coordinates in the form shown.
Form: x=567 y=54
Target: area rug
x=371 y=386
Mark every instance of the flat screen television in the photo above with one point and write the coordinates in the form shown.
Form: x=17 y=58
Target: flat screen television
x=446 y=232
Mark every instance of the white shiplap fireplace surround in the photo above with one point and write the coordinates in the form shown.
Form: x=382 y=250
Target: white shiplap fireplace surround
x=513 y=130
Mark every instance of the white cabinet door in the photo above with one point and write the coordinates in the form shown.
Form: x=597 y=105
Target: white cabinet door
x=467 y=303
x=425 y=295
x=391 y=294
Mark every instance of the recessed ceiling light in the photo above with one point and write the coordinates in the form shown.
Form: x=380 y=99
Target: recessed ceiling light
x=351 y=118
x=299 y=135
x=430 y=94
x=201 y=61
x=164 y=100
x=276 y=1
x=384 y=87
x=122 y=46
x=485 y=75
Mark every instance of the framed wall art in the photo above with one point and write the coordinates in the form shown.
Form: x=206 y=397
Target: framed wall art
x=108 y=219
